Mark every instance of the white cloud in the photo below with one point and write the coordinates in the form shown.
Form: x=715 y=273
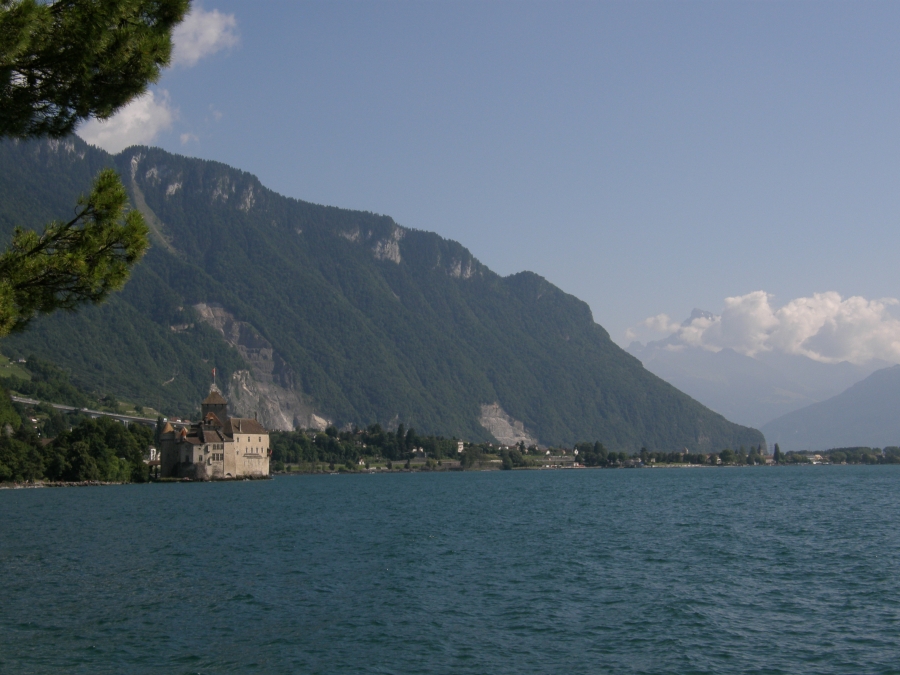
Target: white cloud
x=138 y=123
x=202 y=33
x=824 y=327
x=188 y=137
x=661 y=323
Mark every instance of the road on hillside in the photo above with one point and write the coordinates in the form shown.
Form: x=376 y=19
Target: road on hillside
x=93 y=413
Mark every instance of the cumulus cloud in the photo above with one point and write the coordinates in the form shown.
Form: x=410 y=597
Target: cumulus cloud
x=202 y=33
x=137 y=123
x=188 y=137
x=661 y=323
x=824 y=327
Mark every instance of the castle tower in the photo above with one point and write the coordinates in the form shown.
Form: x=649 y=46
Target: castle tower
x=216 y=404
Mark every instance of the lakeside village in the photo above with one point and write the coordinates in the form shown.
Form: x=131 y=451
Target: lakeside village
x=115 y=448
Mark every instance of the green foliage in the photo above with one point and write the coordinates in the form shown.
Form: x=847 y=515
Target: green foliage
x=54 y=423
x=8 y=414
x=512 y=458
x=863 y=455
x=47 y=383
x=20 y=459
x=348 y=447
x=62 y=62
x=73 y=263
x=592 y=454
x=100 y=449
x=94 y=450
x=471 y=457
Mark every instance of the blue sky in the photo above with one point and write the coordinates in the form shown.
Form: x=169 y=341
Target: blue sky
x=646 y=157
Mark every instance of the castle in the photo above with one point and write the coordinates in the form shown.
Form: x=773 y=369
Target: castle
x=216 y=447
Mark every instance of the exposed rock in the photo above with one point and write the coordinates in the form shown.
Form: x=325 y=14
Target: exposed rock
x=504 y=428
x=135 y=161
x=276 y=407
x=248 y=200
x=67 y=144
x=316 y=422
x=389 y=249
x=266 y=389
x=157 y=229
x=457 y=270
x=223 y=188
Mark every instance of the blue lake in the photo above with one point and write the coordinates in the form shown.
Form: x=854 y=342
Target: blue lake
x=754 y=570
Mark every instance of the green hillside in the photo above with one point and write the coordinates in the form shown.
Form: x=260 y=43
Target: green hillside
x=365 y=321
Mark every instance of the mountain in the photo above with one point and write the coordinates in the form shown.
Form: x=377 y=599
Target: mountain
x=863 y=415
x=315 y=314
x=749 y=390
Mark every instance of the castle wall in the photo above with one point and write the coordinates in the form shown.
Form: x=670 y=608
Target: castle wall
x=168 y=455
x=230 y=465
x=252 y=454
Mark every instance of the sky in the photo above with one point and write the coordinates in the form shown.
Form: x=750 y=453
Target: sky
x=646 y=157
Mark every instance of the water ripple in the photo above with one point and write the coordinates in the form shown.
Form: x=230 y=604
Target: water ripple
x=710 y=571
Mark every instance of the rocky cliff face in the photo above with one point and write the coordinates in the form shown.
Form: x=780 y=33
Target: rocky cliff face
x=266 y=388
x=504 y=428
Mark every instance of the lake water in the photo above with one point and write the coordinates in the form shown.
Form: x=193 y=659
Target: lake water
x=754 y=570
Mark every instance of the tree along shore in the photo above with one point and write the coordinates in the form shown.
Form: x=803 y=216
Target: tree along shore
x=103 y=450
x=377 y=449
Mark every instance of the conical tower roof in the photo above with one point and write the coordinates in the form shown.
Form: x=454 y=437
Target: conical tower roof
x=214 y=397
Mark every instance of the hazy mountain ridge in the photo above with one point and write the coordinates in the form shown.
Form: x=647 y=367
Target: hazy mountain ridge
x=374 y=321
x=866 y=414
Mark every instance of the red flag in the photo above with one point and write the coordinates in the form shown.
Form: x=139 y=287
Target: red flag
x=214 y=373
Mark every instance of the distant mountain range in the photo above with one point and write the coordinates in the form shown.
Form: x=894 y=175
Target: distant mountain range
x=315 y=315
x=866 y=414
x=749 y=390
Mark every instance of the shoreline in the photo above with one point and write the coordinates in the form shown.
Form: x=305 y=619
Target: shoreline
x=99 y=483
x=94 y=483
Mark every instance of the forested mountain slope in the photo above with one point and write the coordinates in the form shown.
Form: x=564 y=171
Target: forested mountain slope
x=314 y=313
